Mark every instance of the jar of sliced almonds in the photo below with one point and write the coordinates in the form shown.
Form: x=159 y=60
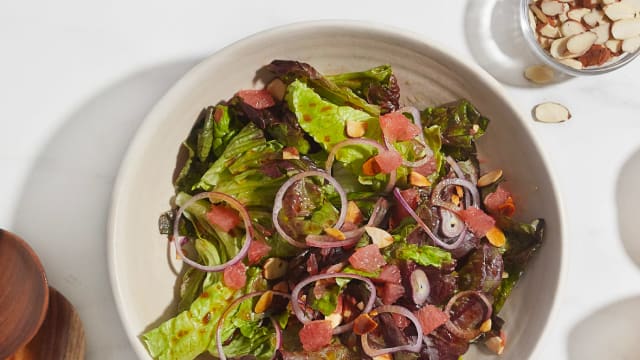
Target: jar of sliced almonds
x=583 y=37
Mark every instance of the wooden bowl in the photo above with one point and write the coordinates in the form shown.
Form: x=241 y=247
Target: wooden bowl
x=24 y=293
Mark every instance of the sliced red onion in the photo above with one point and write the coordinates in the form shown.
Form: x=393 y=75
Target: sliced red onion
x=451 y=224
x=436 y=195
x=436 y=240
x=332 y=155
x=394 y=309
x=420 y=286
x=231 y=306
x=302 y=317
x=467 y=334
x=235 y=204
x=277 y=204
x=353 y=236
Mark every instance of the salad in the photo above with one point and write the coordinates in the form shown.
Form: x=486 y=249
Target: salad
x=319 y=219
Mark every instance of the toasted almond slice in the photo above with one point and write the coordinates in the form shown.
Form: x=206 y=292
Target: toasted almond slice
x=459 y=191
x=573 y=63
x=552 y=7
x=417 y=179
x=277 y=89
x=356 y=129
x=593 y=17
x=577 y=13
x=618 y=11
x=455 y=199
x=264 y=302
x=290 y=153
x=354 y=215
x=495 y=344
x=631 y=45
x=563 y=17
x=571 y=27
x=539 y=14
x=274 y=268
x=633 y=4
x=383 y=357
x=496 y=237
x=581 y=43
x=379 y=237
x=615 y=46
x=550 y=112
x=532 y=21
x=549 y=31
x=626 y=29
x=558 y=48
x=490 y=178
x=335 y=318
x=335 y=233
x=485 y=326
x=602 y=31
x=539 y=74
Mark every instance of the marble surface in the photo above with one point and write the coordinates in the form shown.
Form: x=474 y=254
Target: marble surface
x=77 y=78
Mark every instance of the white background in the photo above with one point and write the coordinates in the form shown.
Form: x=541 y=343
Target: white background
x=77 y=78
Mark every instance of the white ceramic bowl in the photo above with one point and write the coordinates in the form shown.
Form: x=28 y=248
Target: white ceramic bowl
x=142 y=280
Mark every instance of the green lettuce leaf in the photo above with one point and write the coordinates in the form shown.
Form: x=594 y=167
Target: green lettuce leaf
x=189 y=333
x=424 y=255
x=328 y=302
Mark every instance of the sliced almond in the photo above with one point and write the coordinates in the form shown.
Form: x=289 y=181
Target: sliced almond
x=532 y=20
x=577 y=13
x=459 y=191
x=607 y=2
x=383 y=357
x=486 y=325
x=571 y=27
x=550 y=112
x=572 y=63
x=274 y=268
x=595 y=56
x=277 y=89
x=563 y=17
x=496 y=237
x=354 y=215
x=626 y=29
x=290 y=153
x=566 y=1
x=549 y=31
x=618 y=11
x=335 y=233
x=633 y=4
x=356 y=129
x=593 y=17
x=581 y=43
x=379 y=237
x=455 y=199
x=615 y=46
x=539 y=74
x=602 y=31
x=417 y=179
x=538 y=13
x=631 y=45
x=490 y=178
x=264 y=302
x=545 y=42
x=552 y=8
x=558 y=48
x=590 y=3
x=495 y=344
x=335 y=318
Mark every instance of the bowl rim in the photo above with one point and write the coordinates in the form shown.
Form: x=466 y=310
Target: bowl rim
x=380 y=29
x=529 y=36
x=45 y=283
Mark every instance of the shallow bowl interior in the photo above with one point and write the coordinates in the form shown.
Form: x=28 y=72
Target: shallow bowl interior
x=142 y=280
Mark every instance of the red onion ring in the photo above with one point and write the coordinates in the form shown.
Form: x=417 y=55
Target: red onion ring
x=297 y=310
x=467 y=334
x=395 y=309
x=460 y=174
x=353 y=236
x=436 y=198
x=235 y=204
x=277 y=204
x=237 y=301
x=332 y=155
x=436 y=240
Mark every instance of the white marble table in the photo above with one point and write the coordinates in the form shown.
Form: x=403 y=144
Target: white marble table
x=77 y=77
